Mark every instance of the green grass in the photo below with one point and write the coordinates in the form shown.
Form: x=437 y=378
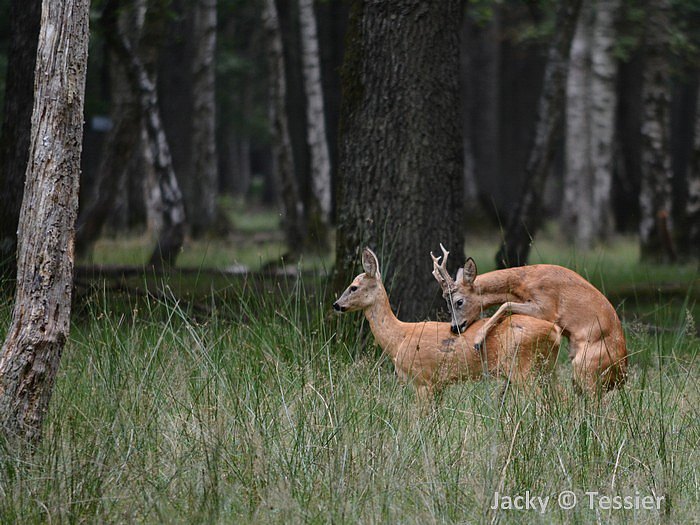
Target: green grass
x=274 y=411
x=231 y=399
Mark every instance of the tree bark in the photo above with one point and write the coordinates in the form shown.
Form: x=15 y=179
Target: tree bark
x=204 y=216
x=690 y=238
x=25 y=18
x=283 y=160
x=319 y=207
x=172 y=211
x=400 y=175
x=591 y=110
x=527 y=216
x=577 y=211
x=119 y=146
x=41 y=314
x=655 y=196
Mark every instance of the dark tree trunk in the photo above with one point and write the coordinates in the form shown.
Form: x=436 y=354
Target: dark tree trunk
x=527 y=216
x=689 y=244
x=117 y=153
x=283 y=160
x=400 y=177
x=204 y=214
x=25 y=17
x=655 y=196
x=41 y=315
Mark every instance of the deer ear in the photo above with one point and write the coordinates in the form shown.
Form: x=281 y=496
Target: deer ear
x=370 y=263
x=469 y=273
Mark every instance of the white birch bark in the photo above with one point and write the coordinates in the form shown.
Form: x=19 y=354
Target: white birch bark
x=604 y=67
x=315 y=113
x=576 y=212
x=591 y=108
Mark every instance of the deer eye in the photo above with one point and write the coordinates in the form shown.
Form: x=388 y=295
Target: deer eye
x=353 y=288
x=459 y=303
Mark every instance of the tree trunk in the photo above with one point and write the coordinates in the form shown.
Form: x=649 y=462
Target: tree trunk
x=400 y=176
x=690 y=238
x=41 y=315
x=25 y=17
x=283 y=161
x=319 y=208
x=603 y=113
x=172 y=211
x=591 y=110
x=204 y=216
x=527 y=216
x=655 y=197
x=119 y=146
x=577 y=211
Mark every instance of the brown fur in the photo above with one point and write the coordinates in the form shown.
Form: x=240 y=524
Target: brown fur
x=430 y=356
x=553 y=293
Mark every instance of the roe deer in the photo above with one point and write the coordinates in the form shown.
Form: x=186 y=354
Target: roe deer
x=430 y=356
x=553 y=293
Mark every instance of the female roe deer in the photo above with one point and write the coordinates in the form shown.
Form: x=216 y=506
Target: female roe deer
x=430 y=356
x=553 y=293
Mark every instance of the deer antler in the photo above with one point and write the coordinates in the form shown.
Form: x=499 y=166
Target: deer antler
x=440 y=269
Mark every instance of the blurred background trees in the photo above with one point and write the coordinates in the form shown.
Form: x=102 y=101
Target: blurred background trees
x=425 y=137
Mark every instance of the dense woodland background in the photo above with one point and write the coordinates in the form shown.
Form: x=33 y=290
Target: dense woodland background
x=397 y=124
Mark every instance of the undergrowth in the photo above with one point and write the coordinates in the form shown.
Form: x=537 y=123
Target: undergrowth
x=273 y=410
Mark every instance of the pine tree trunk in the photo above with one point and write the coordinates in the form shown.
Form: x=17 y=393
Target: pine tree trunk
x=41 y=315
x=25 y=17
x=283 y=161
x=527 y=216
x=319 y=208
x=203 y=216
x=655 y=226
x=400 y=176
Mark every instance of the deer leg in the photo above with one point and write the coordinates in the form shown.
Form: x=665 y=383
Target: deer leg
x=530 y=309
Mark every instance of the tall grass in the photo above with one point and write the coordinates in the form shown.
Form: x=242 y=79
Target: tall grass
x=274 y=411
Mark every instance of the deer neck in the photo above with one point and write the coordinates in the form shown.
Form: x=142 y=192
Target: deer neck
x=497 y=287
x=387 y=329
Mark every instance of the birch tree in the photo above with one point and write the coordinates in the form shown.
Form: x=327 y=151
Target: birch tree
x=171 y=210
x=318 y=214
x=525 y=219
x=204 y=156
x=41 y=315
x=590 y=135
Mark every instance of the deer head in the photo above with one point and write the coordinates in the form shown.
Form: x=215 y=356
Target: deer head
x=462 y=303
x=364 y=289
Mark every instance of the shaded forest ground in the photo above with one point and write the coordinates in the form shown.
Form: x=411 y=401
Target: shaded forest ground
x=213 y=272
x=202 y=396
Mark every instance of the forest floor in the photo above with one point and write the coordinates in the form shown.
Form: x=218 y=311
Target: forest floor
x=207 y=395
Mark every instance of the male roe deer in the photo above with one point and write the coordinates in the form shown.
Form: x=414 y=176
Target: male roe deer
x=430 y=356
x=556 y=294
